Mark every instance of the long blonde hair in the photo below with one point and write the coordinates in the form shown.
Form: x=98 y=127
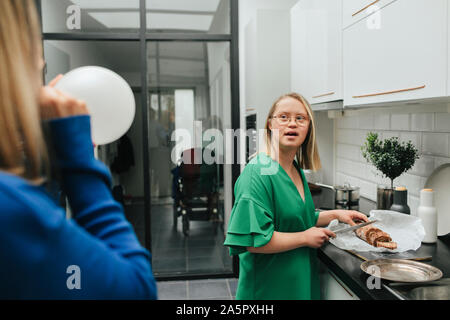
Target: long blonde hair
x=307 y=154
x=22 y=147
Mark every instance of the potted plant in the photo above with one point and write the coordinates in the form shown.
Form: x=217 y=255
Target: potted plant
x=392 y=158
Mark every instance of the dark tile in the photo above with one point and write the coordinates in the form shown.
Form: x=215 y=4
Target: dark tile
x=226 y=258
x=232 y=283
x=208 y=289
x=203 y=249
x=135 y=214
x=201 y=243
x=172 y=290
x=220 y=298
x=140 y=234
x=170 y=243
x=207 y=264
x=169 y=234
x=197 y=252
x=161 y=266
x=170 y=253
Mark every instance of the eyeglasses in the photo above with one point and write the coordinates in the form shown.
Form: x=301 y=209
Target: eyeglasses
x=284 y=119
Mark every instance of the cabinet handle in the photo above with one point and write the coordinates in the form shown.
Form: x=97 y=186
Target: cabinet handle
x=388 y=92
x=371 y=4
x=325 y=94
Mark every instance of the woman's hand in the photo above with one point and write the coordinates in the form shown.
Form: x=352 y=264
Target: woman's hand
x=55 y=104
x=316 y=237
x=347 y=216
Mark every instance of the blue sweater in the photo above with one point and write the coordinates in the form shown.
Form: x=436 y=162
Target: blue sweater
x=95 y=255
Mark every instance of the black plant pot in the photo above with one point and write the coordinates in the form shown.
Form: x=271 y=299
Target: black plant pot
x=400 y=201
x=385 y=198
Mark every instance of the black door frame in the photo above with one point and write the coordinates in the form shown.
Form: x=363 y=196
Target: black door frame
x=143 y=37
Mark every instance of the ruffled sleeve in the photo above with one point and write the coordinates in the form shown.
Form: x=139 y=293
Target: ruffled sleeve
x=251 y=225
x=316 y=216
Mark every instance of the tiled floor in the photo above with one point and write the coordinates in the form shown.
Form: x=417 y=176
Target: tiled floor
x=202 y=252
x=211 y=289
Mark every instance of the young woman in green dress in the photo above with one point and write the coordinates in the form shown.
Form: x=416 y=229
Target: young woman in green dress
x=274 y=227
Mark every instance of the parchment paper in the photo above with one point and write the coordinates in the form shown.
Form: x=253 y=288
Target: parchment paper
x=404 y=229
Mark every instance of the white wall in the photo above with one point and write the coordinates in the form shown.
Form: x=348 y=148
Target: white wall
x=247 y=11
x=221 y=20
x=63 y=56
x=220 y=93
x=325 y=143
x=429 y=132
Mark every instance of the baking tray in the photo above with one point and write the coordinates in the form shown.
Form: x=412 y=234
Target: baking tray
x=407 y=255
x=401 y=270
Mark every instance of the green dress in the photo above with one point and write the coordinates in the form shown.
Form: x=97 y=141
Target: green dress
x=267 y=200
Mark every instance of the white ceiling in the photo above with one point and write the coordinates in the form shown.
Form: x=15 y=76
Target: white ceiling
x=117 y=20
x=195 y=15
x=107 y=4
x=179 y=21
x=131 y=20
x=185 y=5
x=176 y=59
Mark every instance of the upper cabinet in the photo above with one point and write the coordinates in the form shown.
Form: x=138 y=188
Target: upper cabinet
x=316 y=50
x=355 y=10
x=397 y=53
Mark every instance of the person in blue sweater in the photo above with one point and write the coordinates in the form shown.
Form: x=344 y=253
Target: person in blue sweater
x=43 y=255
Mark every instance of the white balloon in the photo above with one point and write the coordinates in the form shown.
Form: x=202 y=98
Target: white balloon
x=108 y=97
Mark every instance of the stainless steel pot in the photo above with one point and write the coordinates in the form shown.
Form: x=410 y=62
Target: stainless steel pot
x=345 y=196
x=347 y=193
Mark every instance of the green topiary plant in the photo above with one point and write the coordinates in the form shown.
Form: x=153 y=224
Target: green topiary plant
x=389 y=156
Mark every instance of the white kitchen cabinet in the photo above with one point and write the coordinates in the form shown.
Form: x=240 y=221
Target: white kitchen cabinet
x=332 y=288
x=355 y=10
x=316 y=50
x=401 y=57
x=267 y=60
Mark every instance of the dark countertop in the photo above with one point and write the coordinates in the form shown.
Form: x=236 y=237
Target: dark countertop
x=347 y=266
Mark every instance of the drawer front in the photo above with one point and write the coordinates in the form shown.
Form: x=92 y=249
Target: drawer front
x=331 y=288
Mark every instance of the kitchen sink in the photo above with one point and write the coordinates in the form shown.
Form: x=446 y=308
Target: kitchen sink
x=436 y=290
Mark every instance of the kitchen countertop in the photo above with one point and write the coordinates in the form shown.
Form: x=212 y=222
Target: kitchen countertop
x=347 y=266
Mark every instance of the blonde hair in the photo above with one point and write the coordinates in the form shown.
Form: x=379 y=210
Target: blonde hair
x=307 y=154
x=22 y=147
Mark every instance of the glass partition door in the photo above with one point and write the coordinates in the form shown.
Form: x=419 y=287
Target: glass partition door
x=190 y=98
x=180 y=58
